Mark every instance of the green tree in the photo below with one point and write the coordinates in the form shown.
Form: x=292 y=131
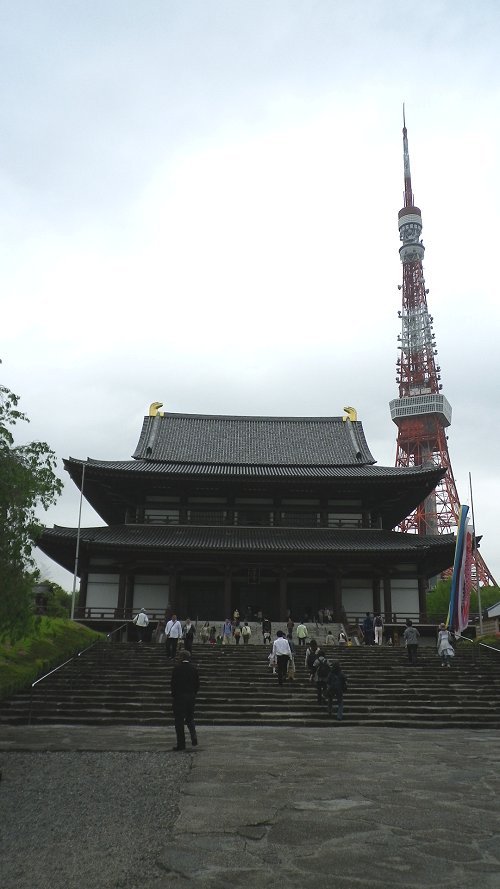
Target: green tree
x=59 y=601
x=438 y=599
x=27 y=481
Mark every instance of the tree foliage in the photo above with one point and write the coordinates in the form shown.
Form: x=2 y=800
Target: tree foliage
x=58 y=600
x=438 y=599
x=27 y=482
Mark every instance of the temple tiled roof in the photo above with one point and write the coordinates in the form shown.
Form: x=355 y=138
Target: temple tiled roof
x=253 y=441
x=239 y=539
x=150 y=467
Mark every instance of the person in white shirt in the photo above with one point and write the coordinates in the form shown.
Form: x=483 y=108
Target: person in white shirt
x=282 y=653
x=173 y=632
x=141 y=621
x=378 y=626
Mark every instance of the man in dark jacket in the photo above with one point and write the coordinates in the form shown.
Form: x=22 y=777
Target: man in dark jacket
x=368 y=631
x=184 y=685
x=411 y=637
x=335 y=687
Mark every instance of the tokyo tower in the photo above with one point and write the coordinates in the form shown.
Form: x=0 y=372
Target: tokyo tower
x=422 y=413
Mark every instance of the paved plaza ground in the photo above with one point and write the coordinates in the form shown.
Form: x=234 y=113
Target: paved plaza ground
x=341 y=807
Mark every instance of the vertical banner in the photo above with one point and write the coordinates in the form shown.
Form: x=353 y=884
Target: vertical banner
x=458 y=612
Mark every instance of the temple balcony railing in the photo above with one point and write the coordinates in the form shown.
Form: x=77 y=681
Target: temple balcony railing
x=158 y=517
x=351 y=620
x=345 y=523
x=247 y=517
x=108 y=613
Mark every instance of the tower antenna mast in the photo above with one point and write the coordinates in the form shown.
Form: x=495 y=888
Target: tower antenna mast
x=422 y=413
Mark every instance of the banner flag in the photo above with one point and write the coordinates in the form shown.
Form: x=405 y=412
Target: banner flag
x=458 y=612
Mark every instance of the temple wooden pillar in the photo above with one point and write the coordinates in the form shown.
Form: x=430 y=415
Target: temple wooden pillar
x=283 y=602
x=387 y=599
x=337 y=597
x=228 y=590
x=122 y=588
x=422 y=598
x=81 y=601
x=376 y=595
x=129 y=594
x=82 y=595
x=173 y=603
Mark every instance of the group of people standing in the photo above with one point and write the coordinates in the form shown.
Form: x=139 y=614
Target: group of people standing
x=232 y=629
x=371 y=630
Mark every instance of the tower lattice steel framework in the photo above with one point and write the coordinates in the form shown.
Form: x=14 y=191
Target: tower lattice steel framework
x=422 y=413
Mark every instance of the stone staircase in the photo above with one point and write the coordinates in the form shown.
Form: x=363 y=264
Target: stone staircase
x=128 y=684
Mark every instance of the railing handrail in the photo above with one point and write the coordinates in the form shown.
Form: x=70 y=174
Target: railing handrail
x=41 y=678
x=55 y=669
x=108 y=635
x=491 y=647
x=60 y=666
x=482 y=644
x=79 y=653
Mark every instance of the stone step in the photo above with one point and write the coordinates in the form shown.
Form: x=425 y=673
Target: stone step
x=434 y=720
x=128 y=684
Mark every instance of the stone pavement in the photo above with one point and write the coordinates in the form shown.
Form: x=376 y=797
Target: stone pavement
x=340 y=807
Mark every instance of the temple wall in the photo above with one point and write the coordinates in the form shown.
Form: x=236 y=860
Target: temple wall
x=102 y=590
x=357 y=595
x=404 y=596
x=151 y=592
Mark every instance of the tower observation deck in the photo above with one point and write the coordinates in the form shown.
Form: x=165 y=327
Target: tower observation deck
x=422 y=413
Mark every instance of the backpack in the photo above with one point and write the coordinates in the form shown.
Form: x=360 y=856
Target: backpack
x=337 y=683
x=323 y=670
x=311 y=657
x=378 y=621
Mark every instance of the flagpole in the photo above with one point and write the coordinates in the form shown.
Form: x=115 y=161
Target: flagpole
x=475 y=560
x=77 y=551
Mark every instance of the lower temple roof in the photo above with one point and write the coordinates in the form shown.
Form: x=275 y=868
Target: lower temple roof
x=59 y=543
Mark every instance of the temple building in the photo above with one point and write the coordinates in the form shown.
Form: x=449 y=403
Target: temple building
x=270 y=515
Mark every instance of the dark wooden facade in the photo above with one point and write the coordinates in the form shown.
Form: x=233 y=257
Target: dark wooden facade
x=267 y=514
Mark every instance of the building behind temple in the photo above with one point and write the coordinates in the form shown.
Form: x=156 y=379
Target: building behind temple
x=263 y=514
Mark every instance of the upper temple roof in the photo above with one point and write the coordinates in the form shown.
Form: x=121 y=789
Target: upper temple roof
x=260 y=441
x=192 y=454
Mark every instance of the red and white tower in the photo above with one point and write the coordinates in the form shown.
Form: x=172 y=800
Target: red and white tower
x=422 y=413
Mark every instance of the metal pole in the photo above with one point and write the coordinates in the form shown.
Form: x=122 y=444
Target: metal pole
x=475 y=561
x=77 y=551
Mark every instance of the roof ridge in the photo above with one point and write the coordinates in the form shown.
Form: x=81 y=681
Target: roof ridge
x=280 y=418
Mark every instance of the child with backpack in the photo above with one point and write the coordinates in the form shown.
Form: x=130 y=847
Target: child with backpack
x=336 y=685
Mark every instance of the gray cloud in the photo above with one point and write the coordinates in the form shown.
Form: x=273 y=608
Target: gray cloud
x=199 y=205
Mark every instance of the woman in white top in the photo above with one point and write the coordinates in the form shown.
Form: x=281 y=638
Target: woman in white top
x=444 y=646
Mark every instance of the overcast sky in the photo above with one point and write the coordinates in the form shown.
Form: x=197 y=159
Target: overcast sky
x=199 y=206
